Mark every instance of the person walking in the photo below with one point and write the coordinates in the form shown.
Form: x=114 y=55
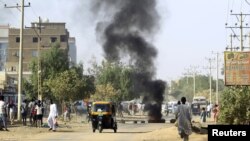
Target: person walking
x=24 y=110
x=3 y=113
x=203 y=115
x=52 y=116
x=39 y=114
x=209 y=107
x=120 y=109
x=12 y=107
x=216 y=113
x=31 y=107
x=67 y=112
x=183 y=113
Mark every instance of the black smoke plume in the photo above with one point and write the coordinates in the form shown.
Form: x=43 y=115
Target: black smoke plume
x=127 y=31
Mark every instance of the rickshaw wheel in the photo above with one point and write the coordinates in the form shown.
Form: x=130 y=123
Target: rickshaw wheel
x=115 y=130
x=93 y=130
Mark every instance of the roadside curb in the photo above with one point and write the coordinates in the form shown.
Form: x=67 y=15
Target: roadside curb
x=136 y=121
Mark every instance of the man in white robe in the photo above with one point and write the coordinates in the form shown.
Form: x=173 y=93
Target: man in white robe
x=183 y=114
x=52 y=116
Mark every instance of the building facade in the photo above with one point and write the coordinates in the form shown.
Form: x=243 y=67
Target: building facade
x=36 y=39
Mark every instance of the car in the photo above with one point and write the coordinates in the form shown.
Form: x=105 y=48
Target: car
x=80 y=106
x=164 y=108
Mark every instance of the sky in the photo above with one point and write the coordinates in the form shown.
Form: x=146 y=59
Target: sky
x=191 y=31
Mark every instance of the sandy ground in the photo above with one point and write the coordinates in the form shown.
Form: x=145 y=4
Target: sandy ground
x=164 y=134
x=169 y=134
x=19 y=132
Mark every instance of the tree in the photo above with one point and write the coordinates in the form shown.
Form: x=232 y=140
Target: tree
x=185 y=87
x=53 y=62
x=66 y=85
x=235 y=105
x=104 y=93
x=117 y=75
x=29 y=89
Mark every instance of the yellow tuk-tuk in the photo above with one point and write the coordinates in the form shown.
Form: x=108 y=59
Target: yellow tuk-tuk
x=103 y=116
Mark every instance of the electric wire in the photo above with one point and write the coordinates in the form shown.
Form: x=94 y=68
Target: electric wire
x=14 y=19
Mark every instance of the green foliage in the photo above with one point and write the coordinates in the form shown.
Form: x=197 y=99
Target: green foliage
x=104 y=93
x=29 y=88
x=66 y=85
x=185 y=87
x=235 y=105
x=57 y=79
x=53 y=62
x=116 y=75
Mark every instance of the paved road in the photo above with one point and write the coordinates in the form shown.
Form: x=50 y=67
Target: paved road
x=125 y=132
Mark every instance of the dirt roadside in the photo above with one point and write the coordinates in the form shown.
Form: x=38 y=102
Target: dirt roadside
x=18 y=132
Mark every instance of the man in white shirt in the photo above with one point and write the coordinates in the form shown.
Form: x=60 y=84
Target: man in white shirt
x=209 y=107
x=12 y=107
x=3 y=113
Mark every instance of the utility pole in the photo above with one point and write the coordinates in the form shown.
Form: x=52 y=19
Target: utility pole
x=20 y=71
x=39 y=70
x=210 y=78
x=39 y=27
x=194 y=71
x=240 y=18
x=187 y=74
x=231 y=43
x=217 y=76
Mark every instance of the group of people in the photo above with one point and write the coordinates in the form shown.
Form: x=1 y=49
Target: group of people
x=7 y=113
x=3 y=114
x=184 y=116
x=34 y=110
x=208 y=111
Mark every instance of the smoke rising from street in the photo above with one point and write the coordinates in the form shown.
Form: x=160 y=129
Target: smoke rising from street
x=127 y=31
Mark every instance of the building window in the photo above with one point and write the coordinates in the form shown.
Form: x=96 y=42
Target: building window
x=13 y=68
x=53 y=39
x=35 y=39
x=15 y=53
x=17 y=39
x=63 y=38
x=34 y=53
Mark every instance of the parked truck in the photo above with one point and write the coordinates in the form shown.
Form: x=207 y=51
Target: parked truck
x=198 y=103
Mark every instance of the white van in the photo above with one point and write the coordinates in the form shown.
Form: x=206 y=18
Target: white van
x=172 y=106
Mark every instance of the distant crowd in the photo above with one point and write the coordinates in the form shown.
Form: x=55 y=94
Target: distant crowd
x=32 y=113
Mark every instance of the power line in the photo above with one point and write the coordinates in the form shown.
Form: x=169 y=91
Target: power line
x=210 y=77
x=34 y=11
x=240 y=17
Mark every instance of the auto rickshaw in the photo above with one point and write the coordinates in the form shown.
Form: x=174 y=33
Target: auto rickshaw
x=103 y=116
